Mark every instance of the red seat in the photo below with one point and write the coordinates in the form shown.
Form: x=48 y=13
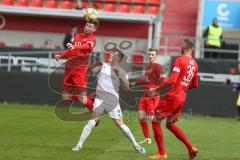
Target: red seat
x=125 y=1
x=67 y=4
x=137 y=59
x=109 y=7
x=97 y=6
x=2 y=44
x=153 y=10
x=140 y=1
x=113 y=1
x=124 y=8
x=37 y=3
x=51 y=4
x=154 y=2
x=77 y=5
x=26 y=45
x=24 y=3
x=138 y=9
x=8 y=2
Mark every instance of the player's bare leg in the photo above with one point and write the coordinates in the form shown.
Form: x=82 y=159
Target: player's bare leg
x=87 y=130
x=66 y=96
x=85 y=100
x=192 y=151
x=129 y=135
x=144 y=126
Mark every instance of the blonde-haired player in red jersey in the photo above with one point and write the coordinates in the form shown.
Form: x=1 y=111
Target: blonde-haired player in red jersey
x=184 y=76
x=153 y=75
x=76 y=67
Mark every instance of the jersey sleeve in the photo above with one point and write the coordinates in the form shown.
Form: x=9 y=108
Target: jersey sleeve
x=159 y=72
x=175 y=72
x=194 y=83
x=96 y=70
x=140 y=82
x=66 y=53
x=92 y=41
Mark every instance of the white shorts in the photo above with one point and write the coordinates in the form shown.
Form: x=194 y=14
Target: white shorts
x=100 y=107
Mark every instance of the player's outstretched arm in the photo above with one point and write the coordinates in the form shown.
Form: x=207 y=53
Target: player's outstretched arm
x=97 y=64
x=66 y=53
x=122 y=78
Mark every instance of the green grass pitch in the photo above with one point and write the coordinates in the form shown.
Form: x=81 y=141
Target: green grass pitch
x=35 y=133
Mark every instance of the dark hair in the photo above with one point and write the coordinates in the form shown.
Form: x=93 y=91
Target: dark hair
x=153 y=50
x=188 y=44
x=94 y=21
x=120 y=53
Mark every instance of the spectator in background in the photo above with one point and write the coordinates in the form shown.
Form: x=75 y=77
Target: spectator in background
x=235 y=86
x=214 y=35
x=69 y=36
x=48 y=44
x=238 y=106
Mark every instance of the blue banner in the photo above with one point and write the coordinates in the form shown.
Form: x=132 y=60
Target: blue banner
x=227 y=12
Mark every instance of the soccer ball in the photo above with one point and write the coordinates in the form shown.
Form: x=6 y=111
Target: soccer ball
x=90 y=14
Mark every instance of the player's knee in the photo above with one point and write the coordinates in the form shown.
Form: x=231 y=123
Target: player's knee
x=141 y=115
x=168 y=125
x=119 y=122
x=82 y=99
x=91 y=123
x=66 y=97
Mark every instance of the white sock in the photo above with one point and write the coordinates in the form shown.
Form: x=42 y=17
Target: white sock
x=86 y=132
x=129 y=135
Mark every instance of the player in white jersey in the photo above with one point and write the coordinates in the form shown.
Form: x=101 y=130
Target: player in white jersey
x=110 y=77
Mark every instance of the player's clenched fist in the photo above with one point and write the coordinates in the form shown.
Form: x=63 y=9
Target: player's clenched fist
x=57 y=57
x=70 y=46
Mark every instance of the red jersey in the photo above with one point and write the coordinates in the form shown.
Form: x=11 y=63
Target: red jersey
x=153 y=75
x=79 y=56
x=184 y=76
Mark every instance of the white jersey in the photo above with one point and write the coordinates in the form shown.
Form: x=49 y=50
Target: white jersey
x=108 y=81
x=107 y=91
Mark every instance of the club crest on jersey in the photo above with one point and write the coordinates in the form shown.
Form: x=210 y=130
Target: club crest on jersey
x=148 y=71
x=176 y=69
x=77 y=43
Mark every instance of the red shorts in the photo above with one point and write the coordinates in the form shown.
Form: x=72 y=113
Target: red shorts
x=148 y=104
x=170 y=109
x=75 y=81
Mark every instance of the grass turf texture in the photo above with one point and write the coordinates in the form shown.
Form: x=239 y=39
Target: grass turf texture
x=34 y=132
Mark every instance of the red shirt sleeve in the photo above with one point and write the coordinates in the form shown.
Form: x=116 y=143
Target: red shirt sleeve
x=92 y=41
x=140 y=82
x=194 y=83
x=175 y=72
x=66 y=53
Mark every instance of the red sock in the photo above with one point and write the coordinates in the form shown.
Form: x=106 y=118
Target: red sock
x=145 y=129
x=158 y=135
x=74 y=98
x=89 y=103
x=180 y=135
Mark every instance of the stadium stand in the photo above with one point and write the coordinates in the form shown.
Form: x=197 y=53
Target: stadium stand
x=2 y=44
x=67 y=4
x=124 y=8
x=51 y=4
x=138 y=9
x=8 y=2
x=24 y=3
x=109 y=7
x=27 y=45
x=37 y=3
